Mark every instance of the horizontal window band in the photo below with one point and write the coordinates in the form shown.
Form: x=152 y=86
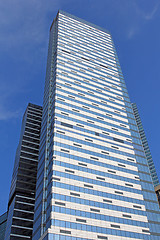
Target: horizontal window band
x=65 y=113
x=102 y=237
x=129 y=185
x=66 y=125
x=119 y=192
x=94 y=210
x=90 y=121
x=87 y=139
x=71 y=96
x=75 y=194
x=64 y=150
x=99 y=178
x=94 y=158
x=65 y=231
x=89 y=186
x=118 y=140
x=60 y=203
x=107 y=201
x=145 y=231
x=82 y=164
x=115 y=147
x=110 y=171
x=79 y=125
x=121 y=165
x=60 y=132
x=115 y=226
x=77 y=145
x=69 y=171
x=81 y=220
x=75 y=110
x=105 y=133
x=135 y=206
x=130 y=159
x=114 y=129
x=127 y=216
x=60 y=99
x=57 y=179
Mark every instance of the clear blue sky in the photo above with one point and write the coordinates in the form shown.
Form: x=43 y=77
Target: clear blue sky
x=24 y=32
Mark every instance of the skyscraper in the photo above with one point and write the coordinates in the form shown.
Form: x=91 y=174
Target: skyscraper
x=145 y=146
x=22 y=191
x=3 y=222
x=93 y=181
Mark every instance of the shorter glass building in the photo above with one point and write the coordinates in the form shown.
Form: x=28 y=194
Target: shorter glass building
x=3 y=222
x=22 y=191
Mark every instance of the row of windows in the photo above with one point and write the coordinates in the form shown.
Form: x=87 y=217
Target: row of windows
x=94 y=114
x=98 y=193
x=100 y=73
x=52 y=236
x=91 y=228
x=80 y=98
x=89 y=142
x=105 y=136
x=77 y=61
x=82 y=68
x=87 y=41
x=110 y=169
x=92 y=41
x=89 y=87
x=95 y=126
x=107 y=59
x=69 y=19
x=106 y=203
x=71 y=175
x=94 y=214
x=96 y=97
x=81 y=27
x=97 y=155
x=80 y=127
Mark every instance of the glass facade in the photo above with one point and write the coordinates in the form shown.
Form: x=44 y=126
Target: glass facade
x=145 y=146
x=3 y=222
x=93 y=180
x=23 y=185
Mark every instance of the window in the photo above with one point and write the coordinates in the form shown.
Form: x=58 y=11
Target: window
x=94 y=210
x=75 y=194
x=118 y=140
x=66 y=125
x=65 y=231
x=89 y=186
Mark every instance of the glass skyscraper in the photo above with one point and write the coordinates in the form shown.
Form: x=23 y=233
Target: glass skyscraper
x=93 y=181
x=23 y=185
x=3 y=222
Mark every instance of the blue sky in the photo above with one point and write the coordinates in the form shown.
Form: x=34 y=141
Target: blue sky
x=24 y=32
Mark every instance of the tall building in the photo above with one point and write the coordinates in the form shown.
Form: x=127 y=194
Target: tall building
x=145 y=146
x=3 y=222
x=93 y=180
x=23 y=185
